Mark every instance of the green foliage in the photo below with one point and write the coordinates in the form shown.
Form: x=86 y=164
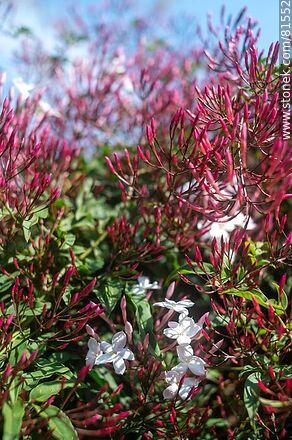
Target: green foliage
x=251 y=397
x=32 y=220
x=59 y=424
x=144 y=320
x=13 y=413
x=109 y=293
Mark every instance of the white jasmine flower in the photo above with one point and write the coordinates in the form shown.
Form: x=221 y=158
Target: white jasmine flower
x=116 y=352
x=45 y=107
x=23 y=87
x=94 y=352
x=183 y=330
x=173 y=377
x=128 y=86
x=188 y=190
x=3 y=76
x=180 y=306
x=189 y=362
x=227 y=225
x=143 y=285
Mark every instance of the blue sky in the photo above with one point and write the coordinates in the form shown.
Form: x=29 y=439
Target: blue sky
x=40 y=15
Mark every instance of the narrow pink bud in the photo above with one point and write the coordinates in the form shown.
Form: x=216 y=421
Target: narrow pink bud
x=243 y=144
x=83 y=372
x=170 y=290
x=124 y=308
x=110 y=165
x=129 y=330
x=89 y=330
x=149 y=134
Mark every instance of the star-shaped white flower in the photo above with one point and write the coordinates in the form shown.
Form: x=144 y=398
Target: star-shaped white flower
x=23 y=87
x=143 y=285
x=183 y=330
x=173 y=378
x=45 y=107
x=94 y=352
x=190 y=362
x=227 y=225
x=180 y=306
x=116 y=352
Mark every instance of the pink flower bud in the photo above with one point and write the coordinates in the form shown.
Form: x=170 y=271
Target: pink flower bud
x=90 y=330
x=170 y=290
x=129 y=330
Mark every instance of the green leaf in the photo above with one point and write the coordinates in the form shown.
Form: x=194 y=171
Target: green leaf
x=44 y=391
x=251 y=396
x=60 y=424
x=69 y=240
x=144 y=319
x=109 y=294
x=101 y=375
x=26 y=225
x=282 y=297
x=31 y=220
x=275 y=403
x=46 y=369
x=5 y=283
x=13 y=414
x=221 y=423
x=27 y=311
x=247 y=369
x=257 y=294
x=18 y=346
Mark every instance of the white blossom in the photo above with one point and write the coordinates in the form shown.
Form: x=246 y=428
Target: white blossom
x=143 y=285
x=115 y=353
x=45 y=107
x=189 y=362
x=183 y=330
x=23 y=87
x=180 y=306
x=94 y=352
x=173 y=378
x=227 y=225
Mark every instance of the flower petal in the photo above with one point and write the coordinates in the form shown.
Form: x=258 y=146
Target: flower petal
x=177 y=372
x=193 y=330
x=138 y=290
x=197 y=366
x=170 y=333
x=169 y=302
x=105 y=358
x=171 y=391
x=186 y=387
x=183 y=340
x=161 y=304
x=186 y=303
x=90 y=358
x=191 y=382
x=184 y=391
x=106 y=347
x=186 y=322
x=119 y=365
x=143 y=282
x=93 y=345
x=154 y=286
x=180 y=309
x=119 y=341
x=185 y=352
x=173 y=324
x=126 y=353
